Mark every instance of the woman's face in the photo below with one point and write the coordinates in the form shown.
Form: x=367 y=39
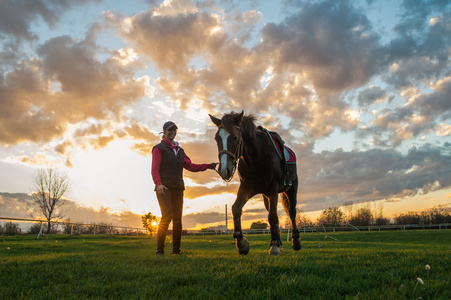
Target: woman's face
x=170 y=134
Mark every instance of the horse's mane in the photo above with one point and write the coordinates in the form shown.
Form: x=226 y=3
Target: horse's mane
x=247 y=125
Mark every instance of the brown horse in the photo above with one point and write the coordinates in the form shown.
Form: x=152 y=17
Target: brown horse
x=262 y=171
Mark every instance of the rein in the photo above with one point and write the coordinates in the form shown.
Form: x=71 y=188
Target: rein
x=236 y=156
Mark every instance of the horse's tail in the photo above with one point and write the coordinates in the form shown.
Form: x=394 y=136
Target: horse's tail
x=286 y=203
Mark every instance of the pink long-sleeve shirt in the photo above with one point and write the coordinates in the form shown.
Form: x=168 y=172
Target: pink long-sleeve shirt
x=156 y=161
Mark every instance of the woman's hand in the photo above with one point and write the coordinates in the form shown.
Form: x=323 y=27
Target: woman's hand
x=160 y=189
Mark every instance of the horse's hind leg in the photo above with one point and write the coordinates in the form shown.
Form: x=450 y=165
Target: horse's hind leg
x=276 y=241
x=237 y=209
x=289 y=200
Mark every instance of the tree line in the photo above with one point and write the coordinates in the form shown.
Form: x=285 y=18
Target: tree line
x=366 y=216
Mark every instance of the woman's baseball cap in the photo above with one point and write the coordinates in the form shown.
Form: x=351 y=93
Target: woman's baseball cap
x=168 y=125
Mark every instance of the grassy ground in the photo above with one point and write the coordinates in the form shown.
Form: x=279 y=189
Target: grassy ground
x=363 y=265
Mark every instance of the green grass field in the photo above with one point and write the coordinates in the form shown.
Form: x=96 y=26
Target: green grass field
x=360 y=265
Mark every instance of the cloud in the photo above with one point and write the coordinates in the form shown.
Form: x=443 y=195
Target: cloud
x=173 y=41
x=93 y=129
x=399 y=125
x=420 y=115
x=311 y=57
x=61 y=147
x=200 y=191
x=233 y=76
x=33 y=110
x=243 y=23
x=16 y=205
x=330 y=42
x=17 y=17
x=140 y=132
x=371 y=95
x=18 y=20
x=174 y=8
x=416 y=12
x=392 y=200
x=319 y=53
x=335 y=177
x=416 y=60
x=437 y=103
x=204 y=218
x=443 y=130
x=170 y=40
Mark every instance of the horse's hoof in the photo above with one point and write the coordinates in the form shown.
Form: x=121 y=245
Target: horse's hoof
x=243 y=246
x=244 y=252
x=297 y=244
x=275 y=249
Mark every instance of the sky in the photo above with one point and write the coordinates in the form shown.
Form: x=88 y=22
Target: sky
x=360 y=90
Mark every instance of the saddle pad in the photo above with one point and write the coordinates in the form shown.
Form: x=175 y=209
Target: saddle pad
x=288 y=154
x=290 y=157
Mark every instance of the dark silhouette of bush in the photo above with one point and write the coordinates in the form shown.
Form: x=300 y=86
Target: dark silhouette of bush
x=426 y=217
x=11 y=229
x=363 y=217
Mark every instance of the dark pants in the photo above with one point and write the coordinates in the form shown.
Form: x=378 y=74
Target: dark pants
x=171 y=206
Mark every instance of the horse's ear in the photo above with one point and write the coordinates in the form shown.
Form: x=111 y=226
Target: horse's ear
x=239 y=118
x=215 y=120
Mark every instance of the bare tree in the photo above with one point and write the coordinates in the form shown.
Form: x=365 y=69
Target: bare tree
x=49 y=186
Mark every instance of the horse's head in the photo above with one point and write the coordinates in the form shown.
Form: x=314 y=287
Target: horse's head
x=230 y=143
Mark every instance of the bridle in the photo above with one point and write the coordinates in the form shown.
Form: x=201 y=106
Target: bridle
x=235 y=155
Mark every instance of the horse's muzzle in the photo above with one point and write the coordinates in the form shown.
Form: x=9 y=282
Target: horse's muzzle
x=226 y=174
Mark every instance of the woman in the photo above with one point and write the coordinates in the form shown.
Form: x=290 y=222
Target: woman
x=168 y=161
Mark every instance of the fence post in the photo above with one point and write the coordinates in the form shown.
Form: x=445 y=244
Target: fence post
x=72 y=229
x=40 y=231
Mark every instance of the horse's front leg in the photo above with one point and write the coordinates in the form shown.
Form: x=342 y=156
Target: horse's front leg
x=276 y=241
x=237 y=209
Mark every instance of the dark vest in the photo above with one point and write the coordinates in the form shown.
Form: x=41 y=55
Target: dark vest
x=171 y=167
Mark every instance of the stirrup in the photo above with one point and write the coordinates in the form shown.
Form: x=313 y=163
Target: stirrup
x=289 y=183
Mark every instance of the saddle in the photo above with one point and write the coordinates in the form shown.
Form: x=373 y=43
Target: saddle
x=286 y=155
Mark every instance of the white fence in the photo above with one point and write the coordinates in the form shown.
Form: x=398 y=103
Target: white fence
x=58 y=227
